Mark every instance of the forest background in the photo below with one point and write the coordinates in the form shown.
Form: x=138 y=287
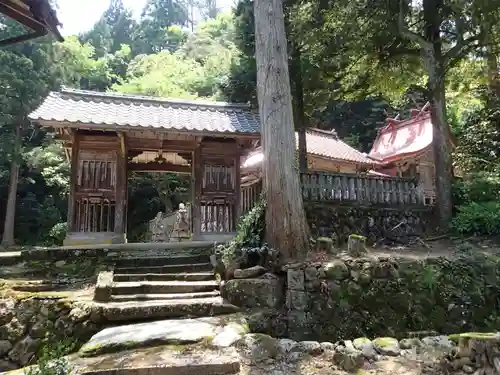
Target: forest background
x=348 y=71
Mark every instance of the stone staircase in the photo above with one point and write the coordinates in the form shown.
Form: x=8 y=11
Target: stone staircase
x=150 y=285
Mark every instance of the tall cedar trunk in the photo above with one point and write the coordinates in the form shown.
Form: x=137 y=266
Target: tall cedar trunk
x=441 y=142
x=8 y=229
x=493 y=75
x=299 y=117
x=286 y=225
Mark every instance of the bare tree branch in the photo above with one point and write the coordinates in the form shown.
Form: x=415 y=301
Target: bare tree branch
x=462 y=47
x=407 y=33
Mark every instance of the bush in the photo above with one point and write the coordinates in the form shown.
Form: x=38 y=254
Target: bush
x=478 y=218
x=56 y=235
x=478 y=187
x=52 y=360
x=249 y=237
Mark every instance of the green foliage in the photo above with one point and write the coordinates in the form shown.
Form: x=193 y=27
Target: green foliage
x=477 y=200
x=250 y=235
x=475 y=218
x=51 y=359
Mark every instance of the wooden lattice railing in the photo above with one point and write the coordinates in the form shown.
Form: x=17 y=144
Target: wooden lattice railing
x=344 y=188
x=365 y=189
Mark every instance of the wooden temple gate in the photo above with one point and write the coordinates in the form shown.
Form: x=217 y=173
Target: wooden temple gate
x=107 y=135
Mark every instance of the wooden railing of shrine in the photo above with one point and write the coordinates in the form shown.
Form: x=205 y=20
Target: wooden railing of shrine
x=363 y=189
x=249 y=196
x=350 y=189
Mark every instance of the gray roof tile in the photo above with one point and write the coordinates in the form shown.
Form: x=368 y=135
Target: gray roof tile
x=120 y=110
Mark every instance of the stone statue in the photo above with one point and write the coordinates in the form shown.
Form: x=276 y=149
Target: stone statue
x=182 y=227
x=173 y=226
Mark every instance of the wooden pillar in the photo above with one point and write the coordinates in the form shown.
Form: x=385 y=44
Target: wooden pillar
x=237 y=191
x=121 y=189
x=75 y=150
x=196 y=183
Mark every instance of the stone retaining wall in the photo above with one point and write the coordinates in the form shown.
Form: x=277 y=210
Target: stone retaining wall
x=373 y=296
x=29 y=325
x=374 y=222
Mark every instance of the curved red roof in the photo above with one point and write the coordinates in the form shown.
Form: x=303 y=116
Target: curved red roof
x=403 y=138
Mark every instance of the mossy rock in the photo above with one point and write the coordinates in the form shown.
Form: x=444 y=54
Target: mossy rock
x=324 y=244
x=336 y=270
x=360 y=342
x=475 y=336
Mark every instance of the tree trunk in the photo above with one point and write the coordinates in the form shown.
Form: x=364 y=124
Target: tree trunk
x=299 y=117
x=286 y=225
x=493 y=75
x=8 y=229
x=434 y=62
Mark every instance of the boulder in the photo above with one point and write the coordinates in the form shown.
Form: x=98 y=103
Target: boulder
x=5 y=347
x=6 y=311
x=286 y=345
x=335 y=270
x=309 y=347
x=360 y=342
x=249 y=273
x=387 y=346
x=250 y=293
x=24 y=350
x=258 y=347
x=440 y=341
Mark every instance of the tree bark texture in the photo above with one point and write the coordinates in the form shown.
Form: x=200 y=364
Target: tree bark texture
x=10 y=214
x=286 y=225
x=434 y=62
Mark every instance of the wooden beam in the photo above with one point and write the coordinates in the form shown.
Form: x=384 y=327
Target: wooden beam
x=237 y=191
x=159 y=167
x=75 y=150
x=196 y=187
x=121 y=188
x=125 y=128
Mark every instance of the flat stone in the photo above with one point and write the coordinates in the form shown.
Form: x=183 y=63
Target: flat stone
x=248 y=273
x=438 y=341
x=130 y=311
x=295 y=279
x=229 y=335
x=174 y=332
x=265 y=293
x=156 y=361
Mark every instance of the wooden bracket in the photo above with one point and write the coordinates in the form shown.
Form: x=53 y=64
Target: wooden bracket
x=121 y=136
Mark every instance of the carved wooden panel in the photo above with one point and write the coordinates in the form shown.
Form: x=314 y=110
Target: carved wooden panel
x=218 y=179
x=96 y=174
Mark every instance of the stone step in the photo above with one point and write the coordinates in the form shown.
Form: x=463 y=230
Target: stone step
x=170 y=296
x=160 y=261
x=166 y=287
x=177 y=268
x=162 y=361
x=165 y=309
x=183 y=276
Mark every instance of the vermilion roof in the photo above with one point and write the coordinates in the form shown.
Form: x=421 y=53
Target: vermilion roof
x=115 y=111
x=403 y=138
x=321 y=143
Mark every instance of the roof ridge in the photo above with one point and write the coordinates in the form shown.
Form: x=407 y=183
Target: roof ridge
x=329 y=133
x=152 y=99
